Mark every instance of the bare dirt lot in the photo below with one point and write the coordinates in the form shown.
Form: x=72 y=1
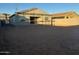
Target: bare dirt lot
x=39 y=40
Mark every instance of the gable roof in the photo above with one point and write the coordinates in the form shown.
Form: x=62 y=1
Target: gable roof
x=70 y=13
x=33 y=10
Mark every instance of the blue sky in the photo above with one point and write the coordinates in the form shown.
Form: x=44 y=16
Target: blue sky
x=49 y=7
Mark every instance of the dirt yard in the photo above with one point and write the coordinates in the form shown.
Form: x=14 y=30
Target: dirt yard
x=39 y=40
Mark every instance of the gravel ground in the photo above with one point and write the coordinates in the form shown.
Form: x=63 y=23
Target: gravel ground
x=39 y=40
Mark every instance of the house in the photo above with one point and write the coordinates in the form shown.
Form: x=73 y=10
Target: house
x=32 y=16
x=38 y=16
x=4 y=18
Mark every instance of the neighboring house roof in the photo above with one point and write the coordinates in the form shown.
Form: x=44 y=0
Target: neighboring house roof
x=3 y=14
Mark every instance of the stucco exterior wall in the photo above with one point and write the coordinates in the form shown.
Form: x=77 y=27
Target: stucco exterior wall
x=59 y=22
x=67 y=22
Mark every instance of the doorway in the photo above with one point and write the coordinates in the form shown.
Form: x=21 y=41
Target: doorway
x=33 y=20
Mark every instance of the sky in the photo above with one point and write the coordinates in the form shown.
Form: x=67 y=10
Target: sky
x=48 y=7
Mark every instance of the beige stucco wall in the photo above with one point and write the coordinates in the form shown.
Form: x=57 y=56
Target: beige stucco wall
x=67 y=22
x=71 y=21
x=60 y=22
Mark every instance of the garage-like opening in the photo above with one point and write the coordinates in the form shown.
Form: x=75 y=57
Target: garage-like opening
x=33 y=20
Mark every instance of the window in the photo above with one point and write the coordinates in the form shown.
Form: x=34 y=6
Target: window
x=46 y=18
